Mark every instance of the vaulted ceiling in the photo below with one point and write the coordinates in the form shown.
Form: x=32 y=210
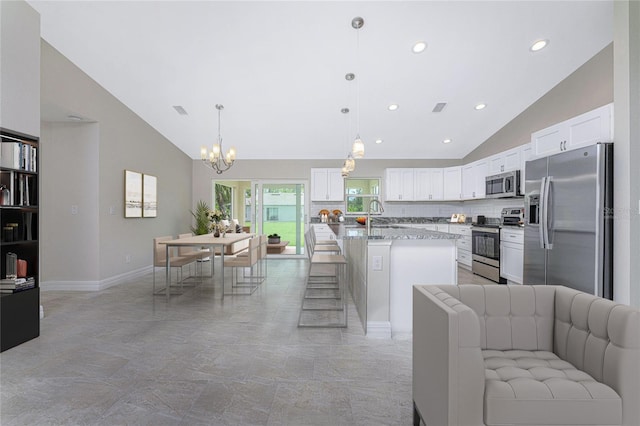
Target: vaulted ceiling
x=279 y=68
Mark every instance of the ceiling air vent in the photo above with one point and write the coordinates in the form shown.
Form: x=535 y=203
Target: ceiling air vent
x=439 y=107
x=180 y=110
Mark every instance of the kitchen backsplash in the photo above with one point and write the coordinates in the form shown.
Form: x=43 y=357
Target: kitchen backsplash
x=490 y=208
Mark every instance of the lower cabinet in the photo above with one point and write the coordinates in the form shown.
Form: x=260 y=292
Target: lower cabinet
x=512 y=255
x=463 y=244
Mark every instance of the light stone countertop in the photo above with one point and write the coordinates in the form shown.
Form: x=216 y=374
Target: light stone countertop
x=389 y=232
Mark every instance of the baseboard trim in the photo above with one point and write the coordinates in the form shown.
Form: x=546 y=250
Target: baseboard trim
x=379 y=329
x=94 y=285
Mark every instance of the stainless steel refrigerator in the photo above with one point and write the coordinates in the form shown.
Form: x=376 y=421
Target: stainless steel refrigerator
x=568 y=235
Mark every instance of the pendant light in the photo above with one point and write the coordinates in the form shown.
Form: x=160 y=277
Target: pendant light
x=358 y=144
x=217 y=159
x=349 y=163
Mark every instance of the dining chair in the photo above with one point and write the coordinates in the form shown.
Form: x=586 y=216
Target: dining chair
x=244 y=262
x=160 y=261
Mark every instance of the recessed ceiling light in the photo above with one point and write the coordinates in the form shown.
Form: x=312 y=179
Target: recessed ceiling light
x=378 y=141
x=393 y=107
x=75 y=117
x=419 y=47
x=480 y=106
x=538 y=45
x=446 y=141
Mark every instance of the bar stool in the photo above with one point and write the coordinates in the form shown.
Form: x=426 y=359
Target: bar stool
x=324 y=303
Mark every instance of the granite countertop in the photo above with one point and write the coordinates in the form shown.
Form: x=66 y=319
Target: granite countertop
x=388 y=232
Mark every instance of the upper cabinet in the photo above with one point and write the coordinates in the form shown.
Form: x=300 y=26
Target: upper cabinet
x=505 y=161
x=452 y=187
x=20 y=73
x=406 y=184
x=399 y=184
x=327 y=185
x=428 y=184
x=586 y=129
x=473 y=179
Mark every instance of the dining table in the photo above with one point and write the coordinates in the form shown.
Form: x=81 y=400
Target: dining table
x=204 y=241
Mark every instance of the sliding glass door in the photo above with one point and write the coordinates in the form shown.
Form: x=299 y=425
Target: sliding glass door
x=267 y=207
x=281 y=208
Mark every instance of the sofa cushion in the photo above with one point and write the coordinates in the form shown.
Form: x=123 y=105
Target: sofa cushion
x=537 y=387
x=511 y=317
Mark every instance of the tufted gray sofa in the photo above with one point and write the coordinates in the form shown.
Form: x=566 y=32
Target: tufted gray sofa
x=523 y=355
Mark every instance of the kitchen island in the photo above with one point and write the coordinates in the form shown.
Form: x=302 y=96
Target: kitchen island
x=383 y=266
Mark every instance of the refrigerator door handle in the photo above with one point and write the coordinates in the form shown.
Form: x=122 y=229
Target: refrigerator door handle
x=546 y=201
x=542 y=223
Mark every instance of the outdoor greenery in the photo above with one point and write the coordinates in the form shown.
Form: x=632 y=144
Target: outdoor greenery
x=224 y=199
x=201 y=216
x=286 y=231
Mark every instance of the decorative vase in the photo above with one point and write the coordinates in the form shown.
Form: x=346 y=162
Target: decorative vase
x=216 y=233
x=273 y=240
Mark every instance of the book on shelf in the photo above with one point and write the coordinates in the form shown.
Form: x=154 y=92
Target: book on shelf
x=11 y=155
x=18 y=155
x=13 y=285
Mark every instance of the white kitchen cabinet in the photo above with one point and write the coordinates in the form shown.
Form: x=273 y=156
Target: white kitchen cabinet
x=440 y=227
x=473 y=179
x=322 y=232
x=463 y=244
x=452 y=183
x=399 y=184
x=512 y=254
x=428 y=184
x=327 y=185
x=504 y=162
x=525 y=155
x=583 y=130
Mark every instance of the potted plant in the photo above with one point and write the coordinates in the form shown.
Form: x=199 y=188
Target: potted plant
x=201 y=216
x=273 y=239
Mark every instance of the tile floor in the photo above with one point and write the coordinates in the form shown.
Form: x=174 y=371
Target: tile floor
x=122 y=356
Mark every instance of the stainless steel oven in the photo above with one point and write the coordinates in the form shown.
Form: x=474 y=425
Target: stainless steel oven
x=485 y=250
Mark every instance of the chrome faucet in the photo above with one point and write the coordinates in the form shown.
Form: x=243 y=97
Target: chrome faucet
x=371 y=203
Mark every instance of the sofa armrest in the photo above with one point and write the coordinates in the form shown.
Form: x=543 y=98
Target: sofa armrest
x=448 y=369
x=602 y=338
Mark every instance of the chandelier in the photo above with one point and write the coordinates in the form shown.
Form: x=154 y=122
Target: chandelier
x=216 y=159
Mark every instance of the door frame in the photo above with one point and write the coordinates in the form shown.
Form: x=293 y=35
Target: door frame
x=257 y=186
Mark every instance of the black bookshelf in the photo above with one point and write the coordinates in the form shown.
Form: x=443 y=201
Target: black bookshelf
x=19 y=209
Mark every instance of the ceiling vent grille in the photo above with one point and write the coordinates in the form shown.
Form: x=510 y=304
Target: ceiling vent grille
x=439 y=107
x=180 y=110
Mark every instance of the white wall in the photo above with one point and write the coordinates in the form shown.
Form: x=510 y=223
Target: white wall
x=100 y=152
x=19 y=68
x=627 y=152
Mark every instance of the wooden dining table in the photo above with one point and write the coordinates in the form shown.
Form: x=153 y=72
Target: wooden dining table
x=206 y=240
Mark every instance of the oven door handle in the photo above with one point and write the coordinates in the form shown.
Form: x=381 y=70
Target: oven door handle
x=542 y=222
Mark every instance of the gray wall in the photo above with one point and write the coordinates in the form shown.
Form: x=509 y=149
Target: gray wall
x=83 y=165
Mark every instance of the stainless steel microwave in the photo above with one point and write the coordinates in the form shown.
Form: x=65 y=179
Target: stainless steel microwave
x=504 y=185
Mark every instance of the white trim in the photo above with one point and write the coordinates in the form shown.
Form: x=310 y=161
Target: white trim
x=379 y=329
x=94 y=285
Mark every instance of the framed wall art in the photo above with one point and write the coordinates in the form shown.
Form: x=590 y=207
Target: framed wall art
x=132 y=194
x=149 y=196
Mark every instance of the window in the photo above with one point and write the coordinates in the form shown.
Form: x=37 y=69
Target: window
x=224 y=199
x=272 y=214
x=359 y=193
